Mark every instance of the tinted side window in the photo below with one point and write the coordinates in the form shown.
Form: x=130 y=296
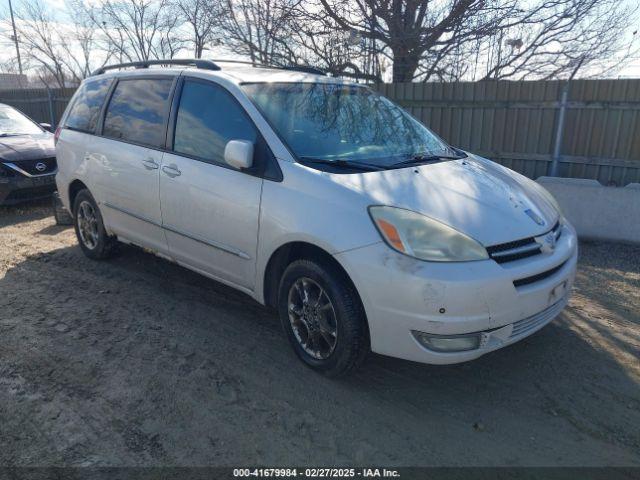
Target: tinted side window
x=86 y=107
x=138 y=110
x=208 y=117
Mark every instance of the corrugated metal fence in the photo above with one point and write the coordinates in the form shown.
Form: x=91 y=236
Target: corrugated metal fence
x=42 y=104
x=514 y=123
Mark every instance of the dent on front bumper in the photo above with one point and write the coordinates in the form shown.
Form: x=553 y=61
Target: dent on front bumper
x=401 y=294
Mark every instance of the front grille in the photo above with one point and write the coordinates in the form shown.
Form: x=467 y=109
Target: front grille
x=518 y=249
x=29 y=166
x=526 y=325
x=30 y=193
x=538 y=277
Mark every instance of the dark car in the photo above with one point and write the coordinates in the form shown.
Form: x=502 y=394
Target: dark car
x=27 y=158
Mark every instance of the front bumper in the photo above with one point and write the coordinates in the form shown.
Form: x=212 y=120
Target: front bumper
x=19 y=189
x=401 y=294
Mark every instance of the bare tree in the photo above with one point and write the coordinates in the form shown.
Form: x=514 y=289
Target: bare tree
x=423 y=40
x=80 y=47
x=37 y=38
x=549 y=39
x=407 y=29
x=341 y=55
x=317 y=40
x=260 y=29
x=171 y=40
x=58 y=52
x=135 y=29
x=456 y=39
x=201 y=17
x=290 y=32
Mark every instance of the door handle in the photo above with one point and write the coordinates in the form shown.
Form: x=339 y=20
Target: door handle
x=171 y=170
x=150 y=164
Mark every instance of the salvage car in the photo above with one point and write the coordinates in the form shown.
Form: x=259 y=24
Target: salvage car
x=320 y=198
x=27 y=158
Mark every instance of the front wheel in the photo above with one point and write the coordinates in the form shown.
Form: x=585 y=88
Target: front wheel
x=323 y=317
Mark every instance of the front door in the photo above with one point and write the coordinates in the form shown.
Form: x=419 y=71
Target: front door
x=210 y=211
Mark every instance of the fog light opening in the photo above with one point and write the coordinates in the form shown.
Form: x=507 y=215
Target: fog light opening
x=448 y=343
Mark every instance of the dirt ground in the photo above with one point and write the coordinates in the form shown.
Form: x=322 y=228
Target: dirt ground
x=137 y=361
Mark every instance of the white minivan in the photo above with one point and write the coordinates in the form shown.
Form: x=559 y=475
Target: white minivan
x=317 y=197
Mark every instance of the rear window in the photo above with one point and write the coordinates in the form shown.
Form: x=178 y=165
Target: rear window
x=86 y=107
x=138 y=111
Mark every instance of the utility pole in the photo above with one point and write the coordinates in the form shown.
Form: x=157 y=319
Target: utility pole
x=15 y=37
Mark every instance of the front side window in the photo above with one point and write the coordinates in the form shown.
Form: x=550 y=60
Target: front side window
x=138 y=111
x=208 y=117
x=13 y=122
x=333 y=122
x=86 y=107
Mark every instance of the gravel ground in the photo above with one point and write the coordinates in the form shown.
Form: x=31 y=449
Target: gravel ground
x=137 y=361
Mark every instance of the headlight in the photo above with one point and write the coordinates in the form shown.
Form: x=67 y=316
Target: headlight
x=424 y=238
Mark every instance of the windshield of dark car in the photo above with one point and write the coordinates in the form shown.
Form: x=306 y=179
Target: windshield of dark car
x=343 y=122
x=12 y=122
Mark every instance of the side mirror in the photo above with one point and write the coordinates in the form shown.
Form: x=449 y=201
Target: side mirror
x=47 y=127
x=239 y=154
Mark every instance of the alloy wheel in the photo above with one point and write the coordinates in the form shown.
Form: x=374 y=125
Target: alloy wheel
x=88 y=225
x=313 y=318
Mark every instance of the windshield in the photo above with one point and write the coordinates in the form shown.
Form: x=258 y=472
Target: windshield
x=12 y=122
x=332 y=122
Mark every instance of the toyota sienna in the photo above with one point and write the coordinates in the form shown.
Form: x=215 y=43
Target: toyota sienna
x=317 y=197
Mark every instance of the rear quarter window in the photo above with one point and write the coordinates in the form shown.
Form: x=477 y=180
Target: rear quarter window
x=138 y=111
x=87 y=104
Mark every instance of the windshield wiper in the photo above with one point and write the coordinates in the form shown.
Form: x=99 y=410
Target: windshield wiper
x=423 y=159
x=368 y=167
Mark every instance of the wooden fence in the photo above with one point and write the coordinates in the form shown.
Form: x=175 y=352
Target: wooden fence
x=514 y=123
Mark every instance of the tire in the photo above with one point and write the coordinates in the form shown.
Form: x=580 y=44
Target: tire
x=344 y=315
x=92 y=236
x=61 y=215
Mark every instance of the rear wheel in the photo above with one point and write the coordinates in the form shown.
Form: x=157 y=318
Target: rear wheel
x=92 y=236
x=323 y=318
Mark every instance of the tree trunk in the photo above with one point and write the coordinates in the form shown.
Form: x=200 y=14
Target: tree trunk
x=404 y=65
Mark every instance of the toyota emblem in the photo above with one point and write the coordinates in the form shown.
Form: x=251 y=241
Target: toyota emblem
x=41 y=167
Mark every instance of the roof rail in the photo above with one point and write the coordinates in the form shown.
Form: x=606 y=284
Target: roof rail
x=305 y=69
x=295 y=68
x=207 y=65
x=241 y=62
x=195 y=62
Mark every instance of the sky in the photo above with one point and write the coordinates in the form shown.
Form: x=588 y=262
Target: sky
x=7 y=48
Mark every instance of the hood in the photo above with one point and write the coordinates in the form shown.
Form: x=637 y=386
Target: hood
x=480 y=198
x=27 y=147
